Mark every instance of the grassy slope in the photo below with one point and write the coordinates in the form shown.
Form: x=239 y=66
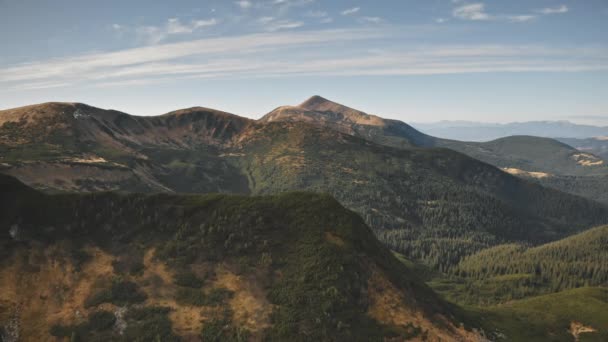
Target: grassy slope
x=549 y=317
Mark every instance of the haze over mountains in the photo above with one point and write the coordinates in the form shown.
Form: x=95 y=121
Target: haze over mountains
x=479 y=131
x=436 y=201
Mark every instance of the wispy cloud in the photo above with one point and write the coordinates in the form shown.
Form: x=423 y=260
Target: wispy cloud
x=554 y=10
x=291 y=54
x=174 y=26
x=283 y=25
x=98 y=65
x=477 y=12
x=316 y=14
x=156 y=34
x=374 y=20
x=474 y=11
x=521 y=18
x=322 y=16
x=244 y=4
x=351 y=11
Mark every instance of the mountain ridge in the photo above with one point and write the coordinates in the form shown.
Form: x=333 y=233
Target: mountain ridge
x=163 y=254
x=409 y=195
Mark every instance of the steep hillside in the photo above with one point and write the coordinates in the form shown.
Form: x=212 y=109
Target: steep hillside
x=297 y=266
x=434 y=205
x=592 y=187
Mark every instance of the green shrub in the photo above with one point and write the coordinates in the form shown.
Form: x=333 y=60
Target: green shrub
x=221 y=329
x=188 y=279
x=189 y=296
x=101 y=320
x=218 y=296
x=149 y=324
x=121 y=293
x=79 y=258
x=59 y=330
x=97 y=328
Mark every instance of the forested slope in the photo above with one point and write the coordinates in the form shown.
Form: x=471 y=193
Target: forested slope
x=297 y=266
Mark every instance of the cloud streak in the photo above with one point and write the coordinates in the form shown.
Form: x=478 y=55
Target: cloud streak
x=293 y=54
x=156 y=34
x=477 y=12
x=474 y=11
x=351 y=11
x=554 y=10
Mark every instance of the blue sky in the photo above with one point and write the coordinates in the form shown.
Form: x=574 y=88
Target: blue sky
x=413 y=60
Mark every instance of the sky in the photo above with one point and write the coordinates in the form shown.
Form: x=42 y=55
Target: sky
x=412 y=60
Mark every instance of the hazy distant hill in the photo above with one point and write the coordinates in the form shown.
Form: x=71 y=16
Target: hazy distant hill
x=478 y=131
x=533 y=154
x=597 y=146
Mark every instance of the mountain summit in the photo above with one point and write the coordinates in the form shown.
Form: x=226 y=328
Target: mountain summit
x=322 y=105
x=323 y=112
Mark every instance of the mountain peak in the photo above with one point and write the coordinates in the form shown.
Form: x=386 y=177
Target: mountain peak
x=315 y=101
x=320 y=104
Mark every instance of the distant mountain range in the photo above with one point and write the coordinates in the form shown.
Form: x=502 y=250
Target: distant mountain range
x=409 y=192
x=276 y=266
x=479 y=131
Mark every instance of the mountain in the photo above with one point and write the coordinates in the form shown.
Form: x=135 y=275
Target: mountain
x=533 y=154
x=528 y=153
x=72 y=146
x=573 y=315
x=431 y=204
x=320 y=111
x=479 y=131
x=296 y=266
x=542 y=160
